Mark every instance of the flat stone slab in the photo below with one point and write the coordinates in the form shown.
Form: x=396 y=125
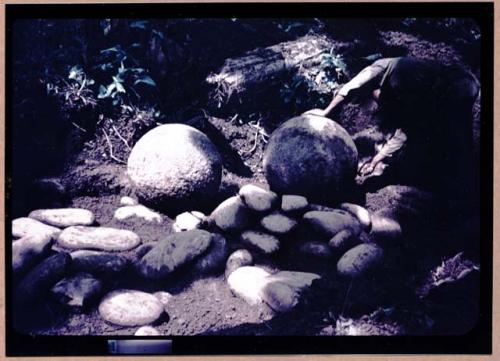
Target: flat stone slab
x=257 y=198
x=64 y=217
x=138 y=212
x=25 y=226
x=172 y=252
x=101 y=238
x=278 y=223
x=99 y=263
x=294 y=204
x=130 y=308
x=329 y=223
x=264 y=242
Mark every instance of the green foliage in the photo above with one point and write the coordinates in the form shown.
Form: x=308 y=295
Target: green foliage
x=315 y=85
x=113 y=76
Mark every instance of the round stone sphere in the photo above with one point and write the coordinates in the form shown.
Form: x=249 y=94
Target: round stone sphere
x=173 y=166
x=311 y=156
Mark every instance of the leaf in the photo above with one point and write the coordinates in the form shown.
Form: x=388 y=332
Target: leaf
x=105 y=25
x=106 y=92
x=74 y=72
x=139 y=24
x=146 y=79
x=159 y=34
x=120 y=88
x=116 y=48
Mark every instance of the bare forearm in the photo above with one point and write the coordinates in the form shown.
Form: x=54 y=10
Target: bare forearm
x=337 y=99
x=364 y=77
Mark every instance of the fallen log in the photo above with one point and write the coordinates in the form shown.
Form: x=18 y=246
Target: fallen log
x=315 y=58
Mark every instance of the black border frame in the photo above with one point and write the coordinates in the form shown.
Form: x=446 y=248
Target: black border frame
x=477 y=341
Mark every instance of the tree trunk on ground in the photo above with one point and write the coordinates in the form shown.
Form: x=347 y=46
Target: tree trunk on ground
x=262 y=68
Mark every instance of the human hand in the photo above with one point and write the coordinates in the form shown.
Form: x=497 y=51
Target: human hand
x=316 y=111
x=366 y=168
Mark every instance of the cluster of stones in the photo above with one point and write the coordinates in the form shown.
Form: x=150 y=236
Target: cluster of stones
x=262 y=221
x=86 y=262
x=64 y=254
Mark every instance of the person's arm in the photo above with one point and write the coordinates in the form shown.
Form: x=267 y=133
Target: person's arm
x=364 y=77
x=394 y=144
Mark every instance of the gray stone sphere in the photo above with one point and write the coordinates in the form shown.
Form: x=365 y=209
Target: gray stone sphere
x=174 y=164
x=311 y=156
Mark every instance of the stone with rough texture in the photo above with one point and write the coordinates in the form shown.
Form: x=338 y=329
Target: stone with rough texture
x=247 y=282
x=258 y=199
x=265 y=243
x=172 y=252
x=78 y=291
x=330 y=223
x=385 y=230
x=138 y=212
x=100 y=238
x=214 y=258
x=98 y=263
x=361 y=214
x=316 y=249
x=294 y=204
x=34 y=286
x=238 y=259
x=360 y=260
x=188 y=221
x=231 y=215
x=311 y=156
x=147 y=331
x=64 y=217
x=163 y=296
x=279 y=296
x=297 y=280
x=130 y=308
x=174 y=164
x=278 y=223
x=343 y=241
x=22 y=227
x=280 y=291
x=128 y=201
x=27 y=251
x=319 y=207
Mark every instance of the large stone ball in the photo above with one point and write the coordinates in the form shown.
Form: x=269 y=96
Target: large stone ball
x=173 y=166
x=311 y=156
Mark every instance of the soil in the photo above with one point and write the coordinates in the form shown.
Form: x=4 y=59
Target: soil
x=206 y=305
